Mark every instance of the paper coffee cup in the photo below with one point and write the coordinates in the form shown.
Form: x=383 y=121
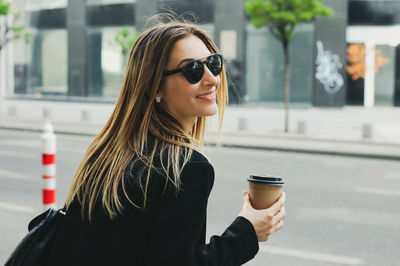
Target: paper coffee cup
x=264 y=190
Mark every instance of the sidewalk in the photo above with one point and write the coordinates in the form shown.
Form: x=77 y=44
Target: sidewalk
x=336 y=131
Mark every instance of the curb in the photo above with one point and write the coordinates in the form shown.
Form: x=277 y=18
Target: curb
x=309 y=151
x=261 y=146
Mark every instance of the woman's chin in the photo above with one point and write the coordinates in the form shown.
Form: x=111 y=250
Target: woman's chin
x=211 y=111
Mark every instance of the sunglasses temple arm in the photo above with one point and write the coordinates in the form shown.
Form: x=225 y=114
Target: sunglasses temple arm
x=170 y=72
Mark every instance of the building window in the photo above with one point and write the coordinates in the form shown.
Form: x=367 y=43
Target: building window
x=106 y=63
x=47 y=67
x=265 y=66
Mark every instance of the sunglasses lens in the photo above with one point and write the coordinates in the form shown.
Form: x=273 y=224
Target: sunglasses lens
x=215 y=64
x=194 y=71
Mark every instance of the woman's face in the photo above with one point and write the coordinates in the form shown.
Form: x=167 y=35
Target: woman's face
x=184 y=100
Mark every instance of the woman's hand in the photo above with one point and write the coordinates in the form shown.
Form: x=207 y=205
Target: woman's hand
x=265 y=221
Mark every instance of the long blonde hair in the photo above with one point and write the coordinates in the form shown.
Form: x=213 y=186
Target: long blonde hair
x=124 y=138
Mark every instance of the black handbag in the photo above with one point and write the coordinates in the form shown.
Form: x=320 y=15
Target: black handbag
x=35 y=247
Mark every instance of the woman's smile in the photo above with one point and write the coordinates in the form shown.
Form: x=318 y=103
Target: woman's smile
x=209 y=96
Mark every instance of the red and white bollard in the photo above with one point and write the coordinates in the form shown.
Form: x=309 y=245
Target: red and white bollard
x=49 y=166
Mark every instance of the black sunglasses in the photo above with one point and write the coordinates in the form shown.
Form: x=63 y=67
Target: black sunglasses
x=194 y=70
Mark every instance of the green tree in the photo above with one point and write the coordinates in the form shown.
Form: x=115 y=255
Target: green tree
x=126 y=39
x=6 y=30
x=281 y=18
x=7 y=34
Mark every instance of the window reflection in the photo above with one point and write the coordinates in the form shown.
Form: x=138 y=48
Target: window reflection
x=47 y=71
x=264 y=65
x=45 y=4
x=106 y=62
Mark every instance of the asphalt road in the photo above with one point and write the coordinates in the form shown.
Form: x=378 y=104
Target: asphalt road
x=340 y=210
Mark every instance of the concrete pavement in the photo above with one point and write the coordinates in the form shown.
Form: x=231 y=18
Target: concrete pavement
x=349 y=131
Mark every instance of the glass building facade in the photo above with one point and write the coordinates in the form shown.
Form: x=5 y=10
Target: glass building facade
x=264 y=65
x=73 y=56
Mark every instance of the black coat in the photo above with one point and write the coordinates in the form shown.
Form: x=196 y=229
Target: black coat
x=171 y=230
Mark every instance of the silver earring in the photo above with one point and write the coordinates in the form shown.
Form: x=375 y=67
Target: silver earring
x=158 y=99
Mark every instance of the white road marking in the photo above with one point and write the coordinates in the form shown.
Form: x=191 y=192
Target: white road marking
x=377 y=191
x=16 y=208
x=22 y=143
x=18 y=176
x=310 y=255
x=20 y=155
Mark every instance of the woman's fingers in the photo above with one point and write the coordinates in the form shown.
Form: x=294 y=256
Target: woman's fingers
x=278 y=226
x=277 y=206
x=276 y=223
x=274 y=228
x=280 y=215
x=246 y=200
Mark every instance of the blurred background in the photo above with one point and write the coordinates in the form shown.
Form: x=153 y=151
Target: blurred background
x=72 y=52
x=339 y=158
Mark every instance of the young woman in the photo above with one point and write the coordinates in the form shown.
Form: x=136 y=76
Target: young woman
x=139 y=196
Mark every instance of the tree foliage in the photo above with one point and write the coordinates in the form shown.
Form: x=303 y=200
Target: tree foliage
x=282 y=16
x=4 y=8
x=125 y=39
x=19 y=32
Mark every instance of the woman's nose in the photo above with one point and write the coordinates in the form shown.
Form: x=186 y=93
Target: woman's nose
x=208 y=78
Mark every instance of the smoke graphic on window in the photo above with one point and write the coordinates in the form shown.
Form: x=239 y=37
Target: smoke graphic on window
x=327 y=72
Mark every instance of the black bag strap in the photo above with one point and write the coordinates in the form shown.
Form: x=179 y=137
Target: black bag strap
x=44 y=215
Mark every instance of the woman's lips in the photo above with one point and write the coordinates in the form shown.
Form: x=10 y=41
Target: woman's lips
x=207 y=96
